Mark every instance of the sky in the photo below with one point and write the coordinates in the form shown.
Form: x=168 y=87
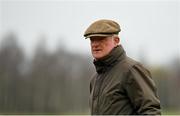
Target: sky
x=150 y=28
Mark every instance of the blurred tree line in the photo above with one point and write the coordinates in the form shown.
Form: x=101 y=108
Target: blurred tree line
x=48 y=83
x=167 y=79
x=58 y=82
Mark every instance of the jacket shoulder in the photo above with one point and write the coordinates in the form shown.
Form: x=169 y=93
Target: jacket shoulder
x=126 y=64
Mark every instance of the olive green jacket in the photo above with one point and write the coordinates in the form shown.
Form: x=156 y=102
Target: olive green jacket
x=122 y=86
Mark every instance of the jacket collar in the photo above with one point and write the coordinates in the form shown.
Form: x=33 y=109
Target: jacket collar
x=110 y=60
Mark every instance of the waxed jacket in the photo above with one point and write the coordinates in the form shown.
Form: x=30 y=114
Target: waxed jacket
x=122 y=86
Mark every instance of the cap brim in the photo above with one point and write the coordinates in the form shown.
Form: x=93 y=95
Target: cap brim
x=98 y=35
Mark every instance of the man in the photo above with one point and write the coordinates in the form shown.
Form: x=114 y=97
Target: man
x=121 y=85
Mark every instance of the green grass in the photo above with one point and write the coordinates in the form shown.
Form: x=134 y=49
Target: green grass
x=171 y=112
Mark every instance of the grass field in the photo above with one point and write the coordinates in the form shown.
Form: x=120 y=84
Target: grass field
x=170 y=112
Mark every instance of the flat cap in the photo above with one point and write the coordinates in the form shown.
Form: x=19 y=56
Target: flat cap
x=103 y=28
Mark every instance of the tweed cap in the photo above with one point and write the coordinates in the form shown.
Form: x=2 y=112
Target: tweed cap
x=103 y=28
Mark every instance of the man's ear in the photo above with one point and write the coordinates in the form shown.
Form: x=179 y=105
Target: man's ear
x=116 y=40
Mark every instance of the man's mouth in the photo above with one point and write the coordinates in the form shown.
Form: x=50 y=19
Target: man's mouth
x=96 y=50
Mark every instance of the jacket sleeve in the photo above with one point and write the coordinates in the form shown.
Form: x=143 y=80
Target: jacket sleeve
x=92 y=81
x=141 y=91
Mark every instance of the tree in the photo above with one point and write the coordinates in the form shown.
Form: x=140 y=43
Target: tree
x=11 y=58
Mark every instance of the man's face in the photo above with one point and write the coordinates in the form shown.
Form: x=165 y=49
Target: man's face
x=101 y=46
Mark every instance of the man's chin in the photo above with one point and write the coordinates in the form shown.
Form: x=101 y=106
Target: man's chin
x=98 y=57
